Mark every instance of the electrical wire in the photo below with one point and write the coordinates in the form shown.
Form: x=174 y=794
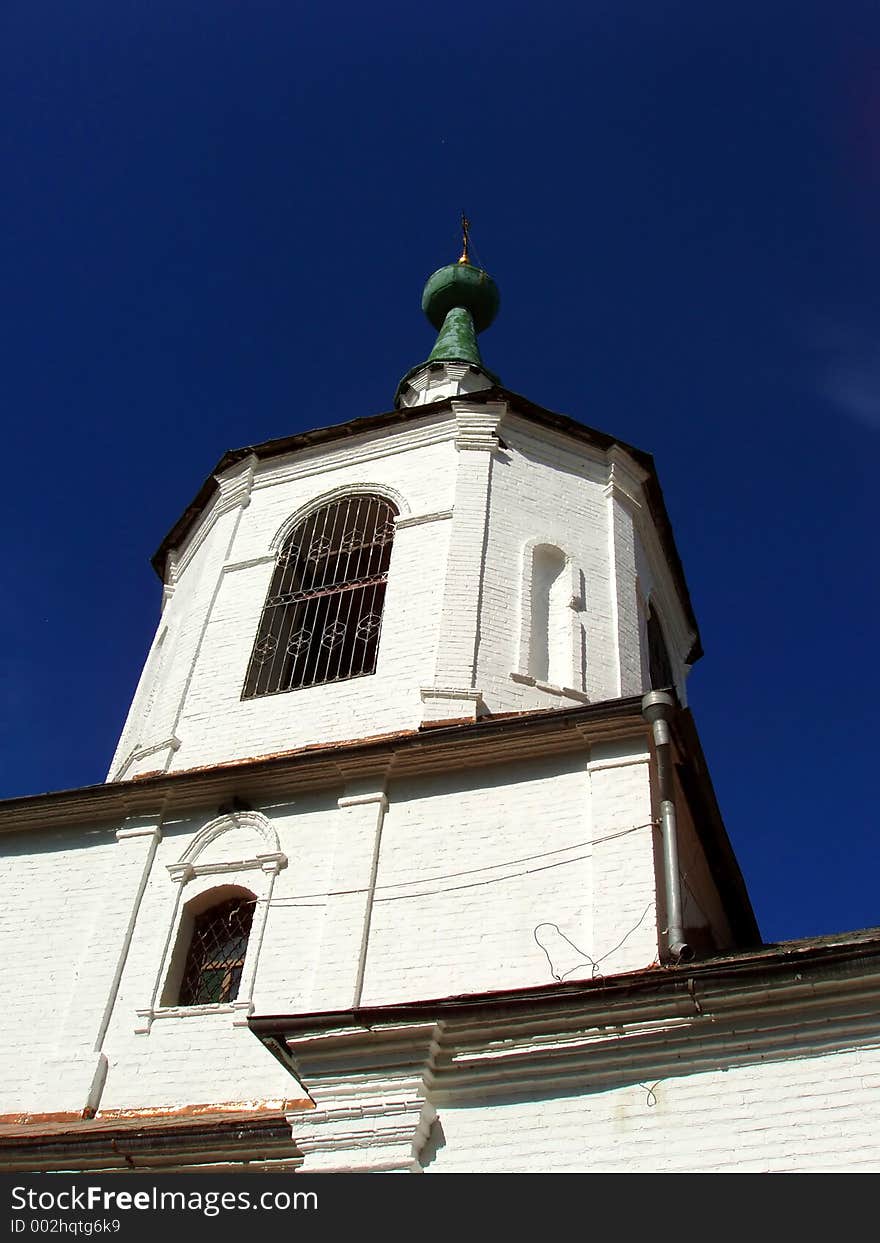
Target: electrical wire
x=302 y=899
x=586 y=959
x=652 y=1092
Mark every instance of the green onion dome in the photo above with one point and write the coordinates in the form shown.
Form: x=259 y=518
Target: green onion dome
x=461 y=285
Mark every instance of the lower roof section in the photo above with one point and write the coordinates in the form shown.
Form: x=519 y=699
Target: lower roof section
x=449 y=747
x=796 y=997
x=843 y=955
x=159 y=1139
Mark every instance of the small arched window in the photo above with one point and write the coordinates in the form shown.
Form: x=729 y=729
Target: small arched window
x=323 y=615
x=215 y=958
x=659 y=665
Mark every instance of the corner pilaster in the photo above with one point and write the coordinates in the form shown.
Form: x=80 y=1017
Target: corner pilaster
x=345 y=944
x=454 y=694
x=375 y=1121
x=623 y=493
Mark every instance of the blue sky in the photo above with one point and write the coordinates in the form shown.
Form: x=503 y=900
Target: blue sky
x=215 y=225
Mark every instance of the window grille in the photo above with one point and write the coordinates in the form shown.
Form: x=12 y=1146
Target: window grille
x=323 y=615
x=215 y=960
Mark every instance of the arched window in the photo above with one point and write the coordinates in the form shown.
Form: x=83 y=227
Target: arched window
x=659 y=666
x=323 y=614
x=217 y=947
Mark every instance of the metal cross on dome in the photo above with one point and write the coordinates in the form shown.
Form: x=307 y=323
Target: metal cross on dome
x=465 y=238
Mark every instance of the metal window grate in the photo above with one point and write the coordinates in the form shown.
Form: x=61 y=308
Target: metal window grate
x=215 y=959
x=323 y=615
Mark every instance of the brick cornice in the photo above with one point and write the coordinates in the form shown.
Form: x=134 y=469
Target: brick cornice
x=556 y=1038
x=489 y=740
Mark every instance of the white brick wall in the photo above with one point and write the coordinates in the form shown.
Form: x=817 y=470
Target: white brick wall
x=452 y=628
x=815 y=1111
x=467 y=866
x=497 y=876
x=213 y=613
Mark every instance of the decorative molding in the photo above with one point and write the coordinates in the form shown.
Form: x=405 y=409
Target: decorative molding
x=397 y=499
x=625 y=478
x=148 y=1016
x=186 y=872
x=236 y=484
x=450 y=692
x=230 y=566
x=477 y=426
x=140 y=753
x=147 y=830
x=416 y=520
x=556 y=448
x=379 y=1137
x=234 y=488
x=377 y=1119
x=321 y=461
x=436 y=380
x=172 y=570
x=359 y=800
x=308 y=463
x=450 y=703
x=615 y=490
x=286 y=776
x=567 y=692
x=181 y=872
x=646 y=1026
x=252 y=820
x=624 y=761
x=268 y=861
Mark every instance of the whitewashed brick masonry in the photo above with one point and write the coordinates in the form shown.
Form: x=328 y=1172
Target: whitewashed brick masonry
x=524 y=562
x=470 y=515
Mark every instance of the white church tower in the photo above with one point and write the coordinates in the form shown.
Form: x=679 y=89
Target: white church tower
x=466 y=556
x=391 y=748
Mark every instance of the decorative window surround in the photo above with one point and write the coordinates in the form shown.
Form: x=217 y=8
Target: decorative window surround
x=239 y=1009
x=322 y=617
x=273 y=862
x=253 y=820
x=186 y=870
x=289 y=525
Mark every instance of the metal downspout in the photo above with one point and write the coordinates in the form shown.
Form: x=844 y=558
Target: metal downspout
x=657 y=709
